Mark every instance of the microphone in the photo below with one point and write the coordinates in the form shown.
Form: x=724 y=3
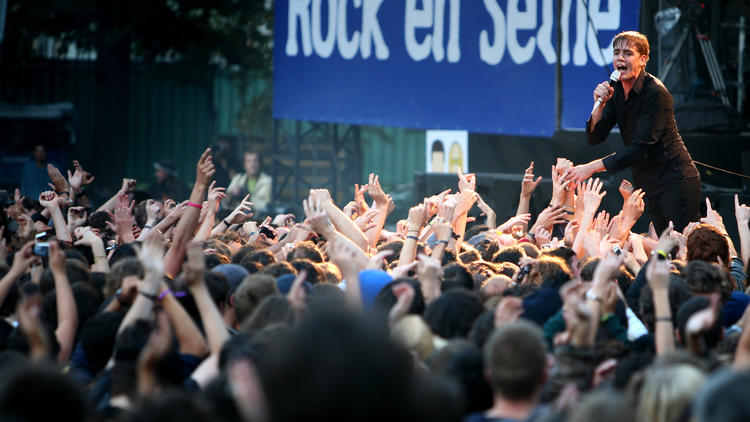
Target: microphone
x=613 y=78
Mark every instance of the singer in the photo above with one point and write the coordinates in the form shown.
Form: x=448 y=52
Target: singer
x=642 y=107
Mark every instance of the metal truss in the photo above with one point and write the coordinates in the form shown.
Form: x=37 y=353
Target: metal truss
x=314 y=155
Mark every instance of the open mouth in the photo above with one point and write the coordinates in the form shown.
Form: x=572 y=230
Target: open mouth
x=622 y=68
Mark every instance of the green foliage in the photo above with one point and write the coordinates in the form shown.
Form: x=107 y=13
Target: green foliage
x=230 y=33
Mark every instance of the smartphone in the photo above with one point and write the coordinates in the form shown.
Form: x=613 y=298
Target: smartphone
x=41 y=249
x=525 y=270
x=268 y=232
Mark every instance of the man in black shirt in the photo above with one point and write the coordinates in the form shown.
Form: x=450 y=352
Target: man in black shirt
x=643 y=109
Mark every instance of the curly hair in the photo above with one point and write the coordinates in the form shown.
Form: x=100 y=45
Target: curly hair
x=706 y=243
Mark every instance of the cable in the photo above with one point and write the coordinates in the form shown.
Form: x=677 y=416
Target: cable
x=721 y=169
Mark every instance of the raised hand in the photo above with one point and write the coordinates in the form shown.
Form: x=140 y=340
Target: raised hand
x=634 y=206
x=151 y=255
x=667 y=240
x=559 y=187
x=59 y=183
x=741 y=212
x=429 y=272
x=549 y=217
x=522 y=219
x=443 y=229
x=404 y=293
x=76 y=217
x=127 y=185
x=417 y=217
x=317 y=219
x=367 y=221
x=571 y=230
x=152 y=210
x=626 y=189
x=447 y=209
x=320 y=196
x=543 y=236
x=205 y=168
x=359 y=198
x=195 y=266
x=466 y=182
x=215 y=195
x=23 y=259
x=375 y=191
x=592 y=195
x=488 y=212
x=713 y=218
x=465 y=200
x=49 y=199
x=657 y=274
x=529 y=184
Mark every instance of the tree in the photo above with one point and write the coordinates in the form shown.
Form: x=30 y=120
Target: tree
x=235 y=34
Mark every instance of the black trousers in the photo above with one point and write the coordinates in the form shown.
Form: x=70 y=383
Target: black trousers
x=679 y=203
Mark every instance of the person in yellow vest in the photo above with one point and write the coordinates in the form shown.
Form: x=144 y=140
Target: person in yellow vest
x=253 y=181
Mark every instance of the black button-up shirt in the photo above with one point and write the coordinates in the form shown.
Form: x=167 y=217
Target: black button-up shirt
x=653 y=147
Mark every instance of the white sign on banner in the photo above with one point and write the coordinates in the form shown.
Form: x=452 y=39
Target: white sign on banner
x=446 y=150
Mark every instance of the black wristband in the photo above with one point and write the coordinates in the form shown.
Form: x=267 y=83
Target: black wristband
x=412 y=237
x=149 y=296
x=224 y=220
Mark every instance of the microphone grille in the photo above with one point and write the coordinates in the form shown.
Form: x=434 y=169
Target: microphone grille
x=615 y=76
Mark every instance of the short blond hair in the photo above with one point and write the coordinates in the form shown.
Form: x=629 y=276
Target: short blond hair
x=635 y=39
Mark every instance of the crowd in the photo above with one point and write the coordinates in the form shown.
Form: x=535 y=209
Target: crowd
x=184 y=309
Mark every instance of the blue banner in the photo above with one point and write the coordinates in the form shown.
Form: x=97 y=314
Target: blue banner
x=484 y=66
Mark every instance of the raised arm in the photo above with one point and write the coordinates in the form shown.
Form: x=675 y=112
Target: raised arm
x=213 y=323
x=50 y=202
x=21 y=262
x=528 y=185
x=87 y=237
x=127 y=186
x=657 y=275
x=215 y=195
x=151 y=255
x=417 y=218
x=67 y=313
x=381 y=203
x=742 y=213
x=343 y=224
x=186 y=226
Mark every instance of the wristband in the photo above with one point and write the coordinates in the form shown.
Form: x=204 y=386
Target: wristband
x=660 y=252
x=148 y=226
x=412 y=237
x=443 y=241
x=224 y=220
x=148 y=296
x=663 y=319
x=164 y=294
x=195 y=205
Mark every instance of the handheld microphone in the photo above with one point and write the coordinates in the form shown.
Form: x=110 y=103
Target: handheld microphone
x=613 y=78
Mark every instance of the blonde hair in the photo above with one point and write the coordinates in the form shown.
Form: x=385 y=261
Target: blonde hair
x=635 y=39
x=668 y=392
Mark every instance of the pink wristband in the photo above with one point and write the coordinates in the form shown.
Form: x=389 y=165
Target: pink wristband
x=195 y=205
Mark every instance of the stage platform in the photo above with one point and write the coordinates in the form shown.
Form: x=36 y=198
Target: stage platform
x=500 y=161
